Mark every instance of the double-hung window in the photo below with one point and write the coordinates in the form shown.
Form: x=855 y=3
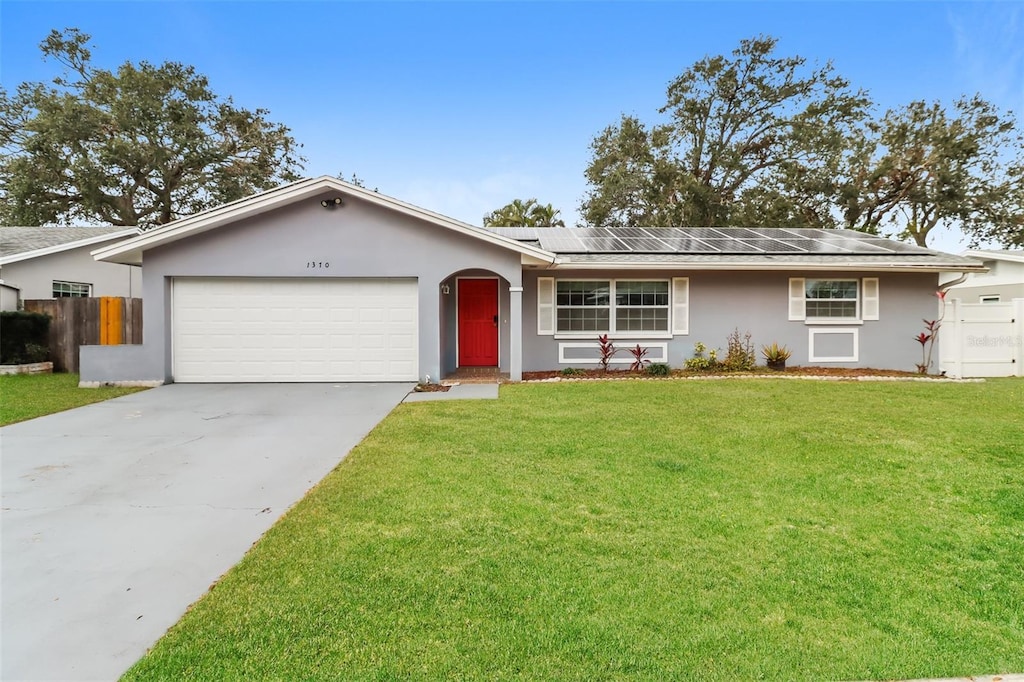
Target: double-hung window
x=71 y=289
x=612 y=306
x=584 y=306
x=641 y=306
x=833 y=301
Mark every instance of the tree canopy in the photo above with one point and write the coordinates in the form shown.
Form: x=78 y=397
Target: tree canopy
x=923 y=166
x=748 y=138
x=521 y=213
x=764 y=140
x=140 y=146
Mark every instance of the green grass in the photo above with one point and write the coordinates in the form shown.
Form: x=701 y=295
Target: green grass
x=27 y=396
x=664 y=530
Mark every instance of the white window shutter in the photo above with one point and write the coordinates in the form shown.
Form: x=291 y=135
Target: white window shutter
x=546 y=306
x=797 y=299
x=869 y=306
x=680 y=305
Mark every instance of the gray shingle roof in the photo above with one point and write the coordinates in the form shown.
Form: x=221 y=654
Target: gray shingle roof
x=15 y=240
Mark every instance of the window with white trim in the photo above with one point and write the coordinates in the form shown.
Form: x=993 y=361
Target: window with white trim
x=831 y=299
x=610 y=306
x=71 y=289
x=834 y=301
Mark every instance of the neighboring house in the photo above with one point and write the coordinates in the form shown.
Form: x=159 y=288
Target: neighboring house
x=55 y=262
x=1003 y=282
x=320 y=280
x=10 y=296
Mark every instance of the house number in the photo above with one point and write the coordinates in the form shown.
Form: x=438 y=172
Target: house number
x=318 y=264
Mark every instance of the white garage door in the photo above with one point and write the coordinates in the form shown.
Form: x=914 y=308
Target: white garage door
x=253 y=330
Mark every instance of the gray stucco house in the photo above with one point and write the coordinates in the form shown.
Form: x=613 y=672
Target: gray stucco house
x=320 y=280
x=55 y=262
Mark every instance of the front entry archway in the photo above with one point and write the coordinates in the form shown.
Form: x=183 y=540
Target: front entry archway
x=478 y=322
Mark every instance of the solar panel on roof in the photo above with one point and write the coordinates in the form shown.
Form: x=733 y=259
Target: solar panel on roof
x=646 y=245
x=732 y=246
x=741 y=233
x=632 y=232
x=603 y=244
x=691 y=233
x=517 y=232
x=597 y=232
x=803 y=244
x=561 y=241
x=849 y=246
x=690 y=246
x=707 y=240
x=819 y=246
x=772 y=246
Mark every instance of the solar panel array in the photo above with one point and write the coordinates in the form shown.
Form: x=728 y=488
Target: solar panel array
x=708 y=240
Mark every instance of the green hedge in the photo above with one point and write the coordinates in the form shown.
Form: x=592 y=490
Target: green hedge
x=24 y=338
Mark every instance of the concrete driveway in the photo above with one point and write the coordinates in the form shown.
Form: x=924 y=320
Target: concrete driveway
x=118 y=515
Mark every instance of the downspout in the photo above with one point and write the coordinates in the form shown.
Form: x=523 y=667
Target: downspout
x=943 y=288
x=952 y=283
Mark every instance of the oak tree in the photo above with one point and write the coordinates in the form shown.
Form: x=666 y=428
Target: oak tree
x=753 y=138
x=924 y=166
x=142 y=145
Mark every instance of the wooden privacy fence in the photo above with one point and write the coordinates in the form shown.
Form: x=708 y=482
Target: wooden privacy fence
x=75 y=322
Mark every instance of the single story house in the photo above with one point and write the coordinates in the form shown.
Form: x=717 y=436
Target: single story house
x=320 y=280
x=56 y=262
x=1003 y=282
x=10 y=297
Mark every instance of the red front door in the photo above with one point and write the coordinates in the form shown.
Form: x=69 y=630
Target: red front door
x=478 y=322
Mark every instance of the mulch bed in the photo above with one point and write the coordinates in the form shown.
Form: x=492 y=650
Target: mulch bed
x=837 y=372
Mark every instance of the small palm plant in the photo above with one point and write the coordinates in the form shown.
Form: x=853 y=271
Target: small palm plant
x=775 y=356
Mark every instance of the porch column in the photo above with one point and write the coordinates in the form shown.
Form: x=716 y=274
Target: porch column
x=515 y=332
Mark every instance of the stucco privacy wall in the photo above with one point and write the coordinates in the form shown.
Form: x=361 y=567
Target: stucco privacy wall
x=35 y=276
x=358 y=239
x=757 y=302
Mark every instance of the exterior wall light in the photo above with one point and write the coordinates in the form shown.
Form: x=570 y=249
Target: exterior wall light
x=331 y=203
x=445 y=290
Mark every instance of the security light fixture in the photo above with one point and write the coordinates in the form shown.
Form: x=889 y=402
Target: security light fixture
x=331 y=203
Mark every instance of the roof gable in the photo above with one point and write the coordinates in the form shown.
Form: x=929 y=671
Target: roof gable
x=1005 y=255
x=131 y=251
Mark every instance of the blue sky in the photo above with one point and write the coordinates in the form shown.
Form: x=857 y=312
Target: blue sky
x=462 y=106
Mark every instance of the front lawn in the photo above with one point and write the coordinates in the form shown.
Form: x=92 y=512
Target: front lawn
x=759 y=529
x=27 y=396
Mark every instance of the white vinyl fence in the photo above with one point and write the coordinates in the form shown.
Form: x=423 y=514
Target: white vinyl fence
x=982 y=339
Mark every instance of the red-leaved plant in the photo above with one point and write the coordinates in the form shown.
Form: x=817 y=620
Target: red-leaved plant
x=607 y=350
x=638 y=358
x=929 y=335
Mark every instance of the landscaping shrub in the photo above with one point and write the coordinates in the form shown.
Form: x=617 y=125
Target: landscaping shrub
x=24 y=338
x=700 y=362
x=657 y=369
x=739 y=354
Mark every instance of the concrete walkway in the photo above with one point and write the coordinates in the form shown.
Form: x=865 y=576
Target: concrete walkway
x=119 y=515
